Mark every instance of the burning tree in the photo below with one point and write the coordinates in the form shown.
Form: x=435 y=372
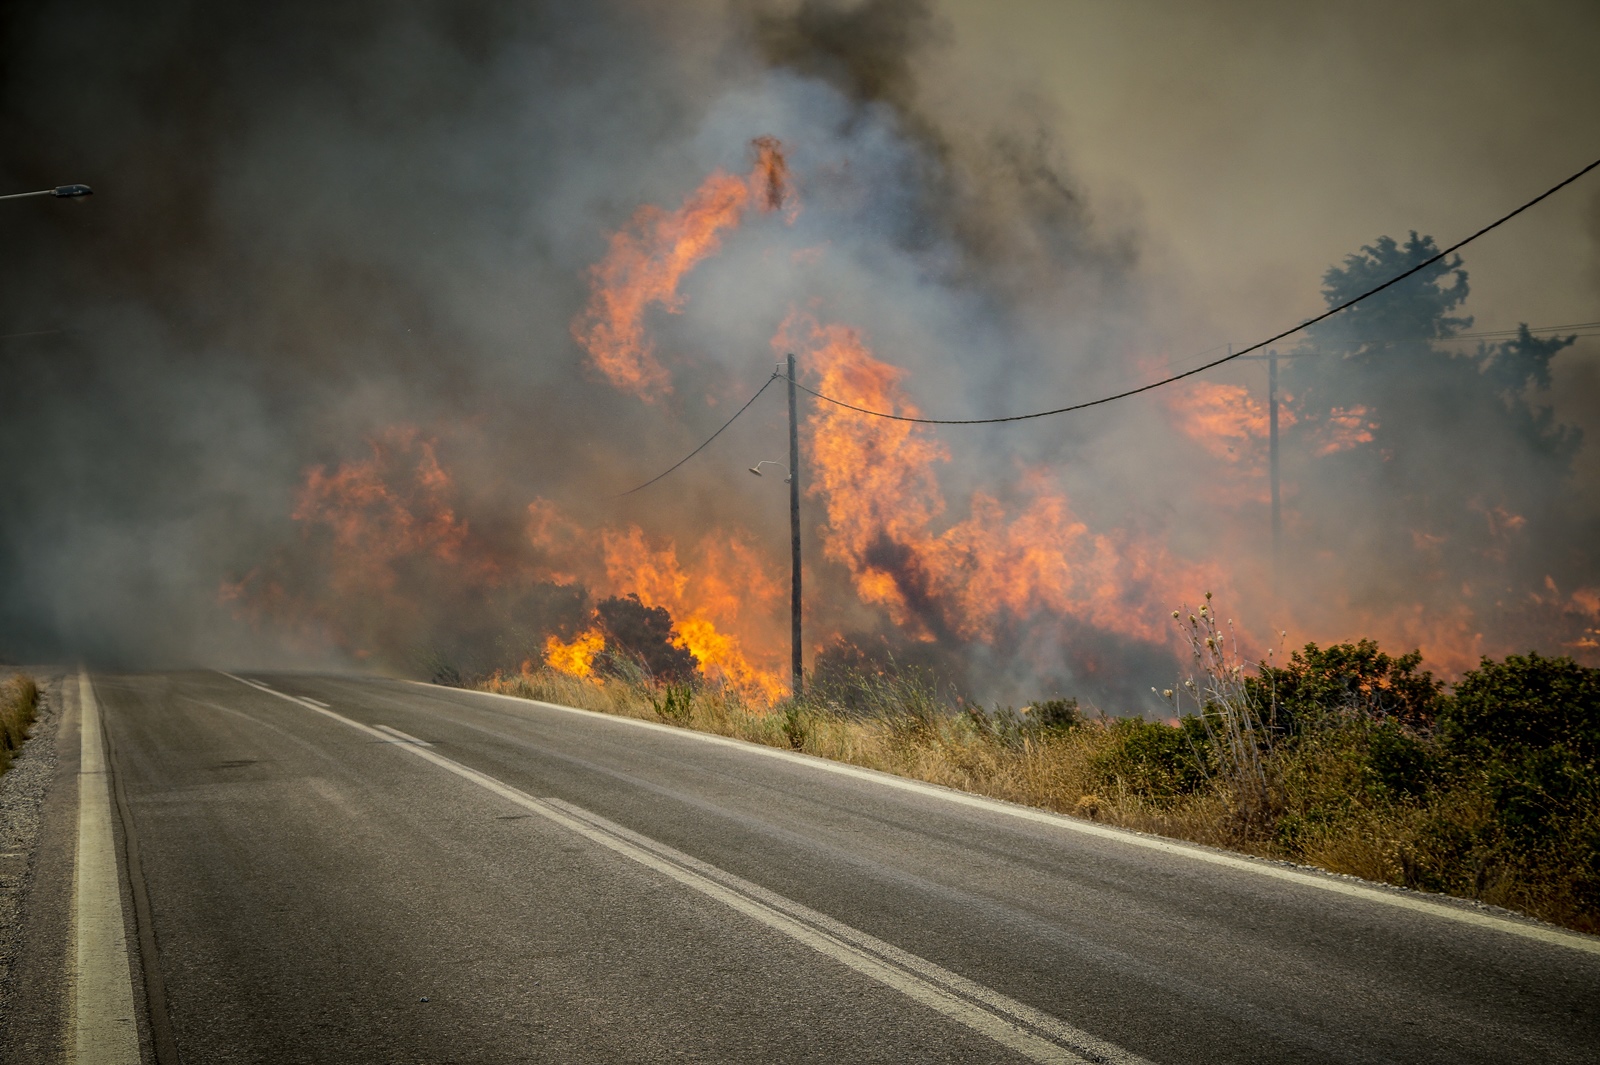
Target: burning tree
x=638 y=633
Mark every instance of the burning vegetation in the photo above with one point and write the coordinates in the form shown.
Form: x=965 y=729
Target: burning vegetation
x=1014 y=569
x=649 y=257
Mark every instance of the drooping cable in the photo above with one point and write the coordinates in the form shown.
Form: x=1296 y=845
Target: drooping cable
x=704 y=445
x=1231 y=355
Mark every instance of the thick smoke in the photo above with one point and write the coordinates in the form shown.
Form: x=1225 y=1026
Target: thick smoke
x=309 y=357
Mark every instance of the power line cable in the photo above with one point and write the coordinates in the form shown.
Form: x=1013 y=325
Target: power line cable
x=1458 y=245
x=703 y=446
x=1578 y=330
x=1143 y=388
x=1492 y=333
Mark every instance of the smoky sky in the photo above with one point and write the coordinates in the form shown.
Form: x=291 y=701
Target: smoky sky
x=313 y=222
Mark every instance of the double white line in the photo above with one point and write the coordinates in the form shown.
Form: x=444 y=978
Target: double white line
x=1034 y=1035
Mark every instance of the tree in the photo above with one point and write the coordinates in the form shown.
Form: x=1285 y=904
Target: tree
x=1415 y=463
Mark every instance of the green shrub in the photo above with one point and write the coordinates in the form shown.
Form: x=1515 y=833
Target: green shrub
x=1055 y=715
x=674 y=703
x=1005 y=726
x=1525 y=703
x=1403 y=763
x=1349 y=678
x=1154 y=760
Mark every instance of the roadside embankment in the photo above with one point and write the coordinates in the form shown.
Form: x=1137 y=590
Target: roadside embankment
x=1490 y=793
x=32 y=712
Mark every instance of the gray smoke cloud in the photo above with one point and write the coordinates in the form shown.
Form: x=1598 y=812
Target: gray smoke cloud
x=320 y=222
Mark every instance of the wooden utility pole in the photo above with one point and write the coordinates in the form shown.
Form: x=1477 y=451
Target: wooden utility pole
x=1272 y=461
x=794 y=533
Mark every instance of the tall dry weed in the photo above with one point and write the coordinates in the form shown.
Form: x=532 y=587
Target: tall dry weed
x=19 y=703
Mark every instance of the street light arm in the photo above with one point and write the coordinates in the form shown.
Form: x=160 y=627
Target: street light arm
x=59 y=190
x=756 y=469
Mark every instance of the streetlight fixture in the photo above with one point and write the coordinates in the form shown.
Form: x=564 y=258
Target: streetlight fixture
x=63 y=191
x=756 y=469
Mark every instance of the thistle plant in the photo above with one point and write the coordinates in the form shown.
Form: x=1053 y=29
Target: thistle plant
x=1240 y=733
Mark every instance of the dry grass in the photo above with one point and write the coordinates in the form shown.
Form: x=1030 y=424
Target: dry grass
x=1309 y=803
x=19 y=702
x=1053 y=771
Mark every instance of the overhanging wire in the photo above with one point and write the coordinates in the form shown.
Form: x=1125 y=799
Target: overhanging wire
x=703 y=446
x=1458 y=245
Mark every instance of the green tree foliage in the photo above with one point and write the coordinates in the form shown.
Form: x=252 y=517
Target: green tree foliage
x=1525 y=703
x=1055 y=715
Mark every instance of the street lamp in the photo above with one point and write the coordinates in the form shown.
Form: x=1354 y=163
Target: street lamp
x=64 y=191
x=756 y=469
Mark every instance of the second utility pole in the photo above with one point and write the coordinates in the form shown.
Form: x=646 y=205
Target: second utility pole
x=1272 y=462
x=794 y=533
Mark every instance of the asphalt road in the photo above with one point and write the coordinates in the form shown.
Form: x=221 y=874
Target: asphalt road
x=545 y=885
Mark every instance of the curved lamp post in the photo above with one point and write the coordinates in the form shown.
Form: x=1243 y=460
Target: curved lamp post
x=756 y=469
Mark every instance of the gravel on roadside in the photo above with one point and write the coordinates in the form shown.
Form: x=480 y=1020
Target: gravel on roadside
x=22 y=793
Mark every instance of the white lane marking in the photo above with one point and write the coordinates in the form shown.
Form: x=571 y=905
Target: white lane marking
x=985 y=1011
x=104 y=1029
x=1417 y=903
x=315 y=702
x=1053 y=1026
x=403 y=737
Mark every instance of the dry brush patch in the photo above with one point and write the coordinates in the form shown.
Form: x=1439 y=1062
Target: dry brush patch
x=19 y=702
x=1053 y=770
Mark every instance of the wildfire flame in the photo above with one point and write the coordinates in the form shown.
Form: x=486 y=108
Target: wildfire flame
x=649 y=257
x=882 y=499
x=367 y=522
x=722 y=603
x=1015 y=556
x=381 y=508
x=576 y=659
x=1346 y=428
x=1226 y=420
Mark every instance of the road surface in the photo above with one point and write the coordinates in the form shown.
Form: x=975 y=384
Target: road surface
x=295 y=868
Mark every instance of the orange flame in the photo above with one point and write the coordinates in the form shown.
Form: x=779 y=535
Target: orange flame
x=366 y=524
x=882 y=500
x=373 y=522
x=1008 y=557
x=1346 y=428
x=1226 y=420
x=576 y=659
x=727 y=596
x=649 y=257
x=1231 y=425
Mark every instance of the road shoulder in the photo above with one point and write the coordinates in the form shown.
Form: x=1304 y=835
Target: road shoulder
x=38 y=799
